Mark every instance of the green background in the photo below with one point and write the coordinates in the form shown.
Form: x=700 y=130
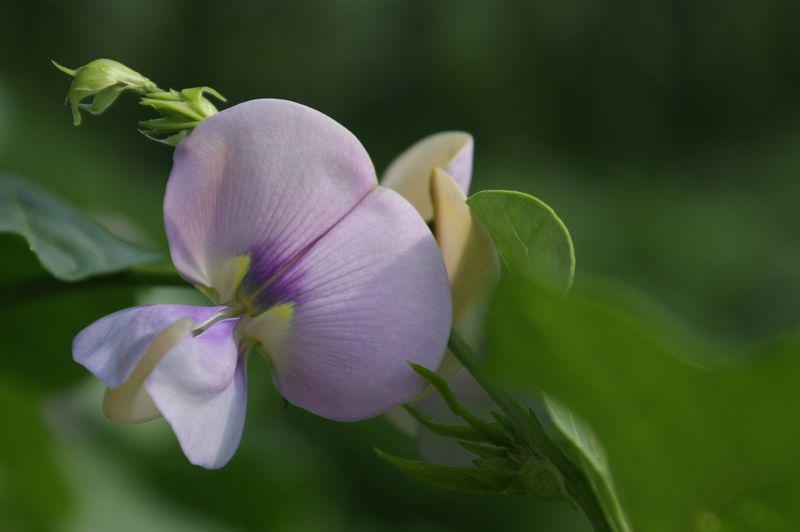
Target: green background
x=664 y=133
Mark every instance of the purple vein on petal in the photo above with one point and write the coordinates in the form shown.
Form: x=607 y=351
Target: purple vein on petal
x=269 y=282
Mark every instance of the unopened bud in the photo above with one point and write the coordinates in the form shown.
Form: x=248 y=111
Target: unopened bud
x=96 y=85
x=101 y=82
x=181 y=111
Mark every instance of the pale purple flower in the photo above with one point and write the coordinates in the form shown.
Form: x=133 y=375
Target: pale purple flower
x=274 y=211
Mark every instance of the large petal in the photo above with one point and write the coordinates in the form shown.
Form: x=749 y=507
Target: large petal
x=471 y=260
x=367 y=297
x=112 y=346
x=409 y=174
x=200 y=387
x=264 y=178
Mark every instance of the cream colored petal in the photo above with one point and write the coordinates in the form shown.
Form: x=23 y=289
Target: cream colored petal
x=470 y=258
x=409 y=174
x=130 y=403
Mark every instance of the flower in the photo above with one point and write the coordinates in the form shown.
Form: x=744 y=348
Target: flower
x=273 y=210
x=434 y=175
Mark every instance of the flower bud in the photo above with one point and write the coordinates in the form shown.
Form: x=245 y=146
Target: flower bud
x=181 y=111
x=101 y=81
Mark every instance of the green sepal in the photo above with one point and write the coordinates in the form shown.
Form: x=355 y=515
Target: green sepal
x=461 y=432
x=492 y=431
x=174 y=108
x=465 y=479
x=483 y=450
x=172 y=140
x=181 y=111
x=504 y=422
x=541 y=479
x=501 y=465
x=190 y=102
x=168 y=124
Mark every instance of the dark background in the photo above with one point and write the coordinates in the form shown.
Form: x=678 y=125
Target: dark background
x=665 y=134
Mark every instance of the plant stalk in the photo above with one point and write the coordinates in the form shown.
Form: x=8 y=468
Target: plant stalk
x=532 y=433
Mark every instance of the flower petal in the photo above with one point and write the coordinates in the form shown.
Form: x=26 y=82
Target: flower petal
x=200 y=387
x=264 y=178
x=410 y=172
x=471 y=260
x=112 y=346
x=368 y=296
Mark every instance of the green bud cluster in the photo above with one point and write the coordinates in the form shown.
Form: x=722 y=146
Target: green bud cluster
x=98 y=84
x=505 y=461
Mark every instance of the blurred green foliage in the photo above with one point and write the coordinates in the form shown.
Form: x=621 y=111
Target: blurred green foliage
x=697 y=434
x=68 y=244
x=663 y=132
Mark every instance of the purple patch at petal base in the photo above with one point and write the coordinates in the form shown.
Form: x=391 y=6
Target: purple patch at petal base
x=265 y=281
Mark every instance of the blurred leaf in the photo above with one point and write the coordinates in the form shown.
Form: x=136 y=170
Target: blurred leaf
x=590 y=457
x=466 y=479
x=111 y=494
x=69 y=245
x=529 y=236
x=33 y=494
x=692 y=448
x=37 y=326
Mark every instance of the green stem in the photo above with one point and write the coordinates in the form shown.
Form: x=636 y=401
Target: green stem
x=532 y=433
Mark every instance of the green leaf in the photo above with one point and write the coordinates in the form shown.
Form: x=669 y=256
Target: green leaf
x=530 y=238
x=68 y=244
x=700 y=437
x=591 y=459
x=533 y=242
x=465 y=479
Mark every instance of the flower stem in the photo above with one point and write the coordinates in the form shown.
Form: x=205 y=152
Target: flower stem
x=532 y=433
